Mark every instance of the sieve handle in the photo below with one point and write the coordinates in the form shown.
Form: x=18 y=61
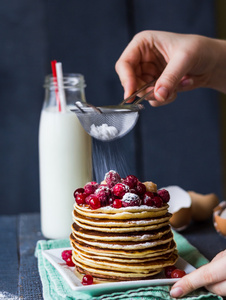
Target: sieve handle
x=152 y=83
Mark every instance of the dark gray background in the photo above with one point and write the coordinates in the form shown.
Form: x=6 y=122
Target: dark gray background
x=177 y=144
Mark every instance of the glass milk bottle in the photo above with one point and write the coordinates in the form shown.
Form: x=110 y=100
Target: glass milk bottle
x=65 y=156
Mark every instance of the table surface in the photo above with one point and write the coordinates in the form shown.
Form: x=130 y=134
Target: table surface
x=19 y=277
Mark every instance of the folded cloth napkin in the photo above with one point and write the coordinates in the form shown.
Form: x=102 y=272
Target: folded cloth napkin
x=55 y=287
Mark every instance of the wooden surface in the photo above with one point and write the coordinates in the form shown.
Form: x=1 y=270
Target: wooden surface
x=19 y=277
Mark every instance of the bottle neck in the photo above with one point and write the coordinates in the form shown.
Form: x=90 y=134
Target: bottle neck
x=67 y=92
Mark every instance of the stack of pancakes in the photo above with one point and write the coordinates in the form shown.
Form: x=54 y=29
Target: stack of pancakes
x=127 y=243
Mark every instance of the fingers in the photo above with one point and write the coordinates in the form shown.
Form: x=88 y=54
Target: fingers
x=217 y=288
x=208 y=275
x=171 y=77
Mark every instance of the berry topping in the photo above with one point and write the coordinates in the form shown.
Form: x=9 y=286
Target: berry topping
x=140 y=189
x=169 y=270
x=90 y=187
x=131 y=181
x=87 y=279
x=69 y=262
x=157 y=201
x=80 y=198
x=164 y=194
x=120 y=189
x=148 y=198
x=67 y=257
x=117 y=203
x=65 y=254
x=78 y=191
x=177 y=273
x=94 y=202
x=130 y=199
x=112 y=178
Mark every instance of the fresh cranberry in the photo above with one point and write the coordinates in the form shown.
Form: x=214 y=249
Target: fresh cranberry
x=112 y=178
x=90 y=187
x=117 y=203
x=148 y=198
x=78 y=191
x=157 y=201
x=130 y=199
x=80 y=198
x=164 y=194
x=69 y=262
x=177 y=273
x=120 y=189
x=65 y=254
x=131 y=181
x=169 y=270
x=87 y=279
x=140 y=189
x=94 y=202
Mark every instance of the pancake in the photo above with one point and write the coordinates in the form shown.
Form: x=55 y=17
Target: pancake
x=114 y=242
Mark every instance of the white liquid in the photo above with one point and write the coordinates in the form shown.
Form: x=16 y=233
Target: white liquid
x=65 y=165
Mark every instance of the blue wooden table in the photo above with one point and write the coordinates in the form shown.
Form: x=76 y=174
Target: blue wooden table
x=19 y=277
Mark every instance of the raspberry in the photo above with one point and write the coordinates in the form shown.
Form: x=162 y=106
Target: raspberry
x=120 y=189
x=80 y=198
x=104 y=194
x=65 y=254
x=131 y=181
x=140 y=189
x=169 y=270
x=177 y=273
x=94 y=202
x=90 y=187
x=112 y=178
x=148 y=198
x=78 y=191
x=157 y=201
x=130 y=199
x=164 y=194
x=117 y=203
x=87 y=279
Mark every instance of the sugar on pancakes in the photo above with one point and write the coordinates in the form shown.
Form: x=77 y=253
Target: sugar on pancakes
x=121 y=230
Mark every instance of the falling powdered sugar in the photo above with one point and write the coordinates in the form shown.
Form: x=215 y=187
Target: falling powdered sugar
x=103 y=132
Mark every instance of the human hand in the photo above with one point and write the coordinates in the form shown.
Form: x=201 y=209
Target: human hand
x=180 y=62
x=211 y=275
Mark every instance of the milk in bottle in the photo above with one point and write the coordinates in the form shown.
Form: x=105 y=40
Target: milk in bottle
x=64 y=157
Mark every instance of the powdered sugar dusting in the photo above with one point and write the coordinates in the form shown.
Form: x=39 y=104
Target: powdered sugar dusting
x=103 y=132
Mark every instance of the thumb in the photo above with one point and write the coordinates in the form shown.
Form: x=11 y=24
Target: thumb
x=170 y=78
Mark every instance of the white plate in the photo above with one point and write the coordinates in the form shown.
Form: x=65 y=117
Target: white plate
x=54 y=257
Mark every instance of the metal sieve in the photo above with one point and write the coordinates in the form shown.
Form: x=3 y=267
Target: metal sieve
x=107 y=123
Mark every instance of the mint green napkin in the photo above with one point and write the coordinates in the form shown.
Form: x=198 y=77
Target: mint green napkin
x=55 y=287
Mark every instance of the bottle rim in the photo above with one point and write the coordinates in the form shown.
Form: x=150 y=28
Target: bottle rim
x=70 y=80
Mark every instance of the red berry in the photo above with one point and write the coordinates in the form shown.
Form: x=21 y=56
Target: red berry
x=65 y=254
x=140 y=188
x=131 y=181
x=157 y=201
x=177 y=273
x=148 y=198
x=90 y=187
x=164 y=194
x=111 y=178
x=103 y=193
x=117 y=203
x=120 y=189
x=94 y=202
x=69 y=262
x=130 y=199
x=78 y=191
x=80 y=198
x=87 y=280
x=168 y=271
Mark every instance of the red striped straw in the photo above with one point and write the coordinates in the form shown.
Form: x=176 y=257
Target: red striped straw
x=53 y=66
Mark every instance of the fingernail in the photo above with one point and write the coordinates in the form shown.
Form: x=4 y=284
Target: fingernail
x=162 y=93
x=176 y=292
x=187 y=82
